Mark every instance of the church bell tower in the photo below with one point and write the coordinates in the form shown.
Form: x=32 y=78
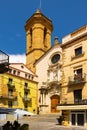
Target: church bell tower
x=38 y=37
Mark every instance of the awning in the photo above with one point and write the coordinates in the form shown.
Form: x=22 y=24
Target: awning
x=72 y=107
x=22 y=112
x=6 y=110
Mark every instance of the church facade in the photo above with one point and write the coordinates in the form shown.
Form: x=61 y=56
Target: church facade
x=49 y=71
x=44 y=60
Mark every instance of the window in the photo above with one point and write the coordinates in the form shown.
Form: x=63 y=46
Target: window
x=78 y=96
x=78 y=71
x=31 y=36
x=78 y=51
x=10 y=104
x=45 y=32
x=32 y=77
x=29 y=76
x=26 y=84
x=10 y=71
x=25 y=95
x=78 y=75
x=18 y=73
x=26 y=75
x=55 y=58
x=10 y=80
x=26 y=105
x=10 y=92
x=14 y=71
x=22 y=66
x=15 y=103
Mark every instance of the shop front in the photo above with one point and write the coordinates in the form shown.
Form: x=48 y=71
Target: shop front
x=78 y=118
x=75 y=115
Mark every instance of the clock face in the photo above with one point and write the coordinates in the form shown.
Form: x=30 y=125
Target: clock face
x=55 y=58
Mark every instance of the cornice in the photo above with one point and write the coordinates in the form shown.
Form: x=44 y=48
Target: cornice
x=34 y=50
x=80 y=61
x=74 y=40
x=22 y=78
x=38 y=18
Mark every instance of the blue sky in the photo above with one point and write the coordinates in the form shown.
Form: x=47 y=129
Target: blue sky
x=66 y=16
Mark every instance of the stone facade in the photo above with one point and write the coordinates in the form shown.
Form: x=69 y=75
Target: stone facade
x=74 y=78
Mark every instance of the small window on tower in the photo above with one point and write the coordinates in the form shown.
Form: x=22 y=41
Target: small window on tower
x=31 y=35
x=45 y=32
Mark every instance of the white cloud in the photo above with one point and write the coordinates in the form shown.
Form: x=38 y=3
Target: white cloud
x=17 y=58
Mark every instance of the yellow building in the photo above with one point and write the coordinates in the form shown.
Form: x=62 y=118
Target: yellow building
x=74 y=78
x=18 y=88
x=38 y=37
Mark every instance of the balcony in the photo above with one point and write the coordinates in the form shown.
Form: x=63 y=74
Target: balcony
x=11 y=85
x=77 y=104
x=80 y=101
x=76 y=101
x=27 y=99
x=79 y=78
x=26 y=88
x=9 y=96
x=53 y=81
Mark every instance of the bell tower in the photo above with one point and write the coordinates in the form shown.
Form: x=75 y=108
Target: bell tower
x=38 y=37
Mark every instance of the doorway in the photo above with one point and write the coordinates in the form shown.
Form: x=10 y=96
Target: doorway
x=55 y=100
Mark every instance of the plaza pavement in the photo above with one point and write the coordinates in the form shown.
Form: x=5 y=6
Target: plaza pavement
x=45 y=122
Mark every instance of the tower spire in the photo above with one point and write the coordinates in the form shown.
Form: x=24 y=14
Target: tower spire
x=40 y=5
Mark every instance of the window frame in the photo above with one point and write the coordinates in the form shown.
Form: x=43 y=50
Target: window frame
x=78 y=51
x=77 y=96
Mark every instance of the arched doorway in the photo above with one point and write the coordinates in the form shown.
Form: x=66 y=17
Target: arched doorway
x=55 y=100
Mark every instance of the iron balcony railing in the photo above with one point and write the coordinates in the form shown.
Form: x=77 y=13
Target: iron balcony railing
x=11 y=84
x=79 y=78
x=76 y=101
x=8 y=96
x=26 y=88
x=26 y=99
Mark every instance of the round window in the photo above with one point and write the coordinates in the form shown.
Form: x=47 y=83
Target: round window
x=55 y=58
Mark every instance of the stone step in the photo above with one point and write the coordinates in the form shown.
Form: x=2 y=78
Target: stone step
x=46 y=115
